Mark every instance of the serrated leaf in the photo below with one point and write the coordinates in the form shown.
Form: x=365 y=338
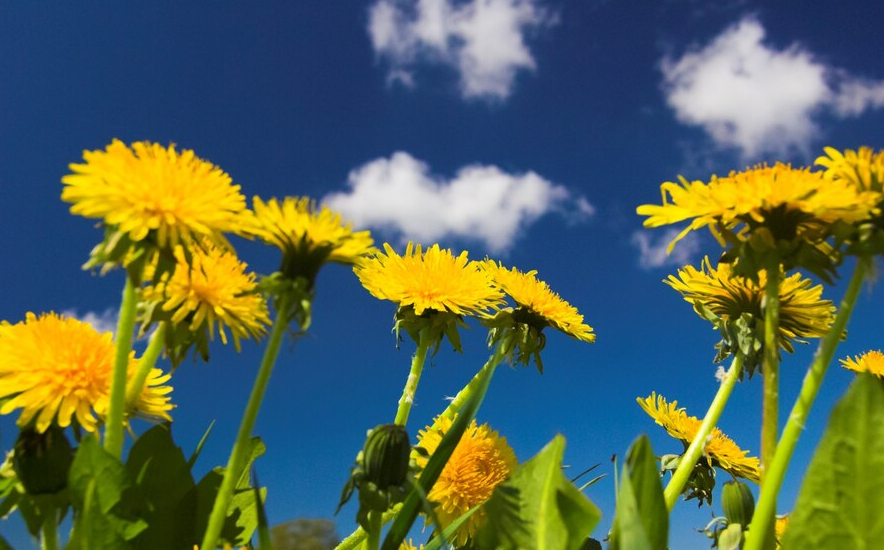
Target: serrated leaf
x=551 y=513
x=840 y=502
x=641 y=520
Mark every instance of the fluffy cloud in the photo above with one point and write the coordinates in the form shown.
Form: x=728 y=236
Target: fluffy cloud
x=754 y=97
x=652 y=251
x=105 y=321
x=483 y=40
x=401 y=194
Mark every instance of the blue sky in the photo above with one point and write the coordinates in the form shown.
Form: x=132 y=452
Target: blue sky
x=524 y=129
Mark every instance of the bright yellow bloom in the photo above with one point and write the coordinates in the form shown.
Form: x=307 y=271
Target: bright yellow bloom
x=870 y=361
x=434 y=280
x=720 y=450
x=535 y=295
x=301 y=229
x=481 y=461
x=864 y=169
x=803 y=312
x=56 y=368
x=149 y=189
x=780 y=527
x=410 y=546
x=789 y=200
x=213 y=288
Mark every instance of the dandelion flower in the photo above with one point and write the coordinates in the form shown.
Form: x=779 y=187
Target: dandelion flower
x=435 y=280
x=720 y=450
x=481 y=461
x=780 y=527
x=864 y=169
x=790 y=202
x=544 y=307
x=307 y=235
x=803 y=312
x=56 y=369
x=153 y=190
x=212 y=289
x=870 y=361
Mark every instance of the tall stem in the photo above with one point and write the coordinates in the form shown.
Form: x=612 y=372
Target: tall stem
x=373 y=539
x=771 y=368
x=238 y=455
x=49 y=531
x=766 y=508
x=113 y=432
x=147 y=363
x=680 y=478
x=414 y=376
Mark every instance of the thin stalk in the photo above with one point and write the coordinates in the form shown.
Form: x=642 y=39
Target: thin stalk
x=147 y=363
x=113 y=432
x=49 y=532
x=468 y=390
x=373 y=540
x=238 y=454
x=813 y=380
x=414 y=376
x=681 y=475
x=358 y=536
x=770 y=368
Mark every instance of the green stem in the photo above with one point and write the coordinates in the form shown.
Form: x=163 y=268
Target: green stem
x=770 y=368
x=147 y=363
x=681 y=475
x=468 y=390
x=373 y=540
x=113 y=432
x=235 y=463
x=414 y=376
x=766 y=508
x=357 y=537
x=49 y=531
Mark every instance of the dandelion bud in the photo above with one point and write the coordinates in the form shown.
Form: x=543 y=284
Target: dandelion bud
x=386 y=456
x=738 y=503
x=42 y=460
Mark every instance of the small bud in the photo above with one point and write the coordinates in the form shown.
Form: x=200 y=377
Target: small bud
x=41 y=460
x=386 y=455
x=738 y=503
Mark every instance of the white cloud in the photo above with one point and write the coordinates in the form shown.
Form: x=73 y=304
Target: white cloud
x=757 y=98
x=480 y=202
x=483 y=40
x=652 y=251
x=105 y=321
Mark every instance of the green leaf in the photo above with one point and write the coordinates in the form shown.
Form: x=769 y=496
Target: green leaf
x=840 y=502
x=105 y=498
x=641 y=521
x=165 y=483
x=550 y=512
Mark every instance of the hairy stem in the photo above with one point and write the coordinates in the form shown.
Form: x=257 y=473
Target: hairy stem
x=414 y=376
x=113 y=432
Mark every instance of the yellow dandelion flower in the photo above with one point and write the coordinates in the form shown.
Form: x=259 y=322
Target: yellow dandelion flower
x=56 y=369
x=153 y=190
x=720 y=450
x=863 y=168
x=789 y=201
x=870 y=361
x=435 y=280
x=780 y=527
x=212 y=289
x=542 y=303
x=308 y=235
x=803 y=312
x=410 y=545
x=481 y=461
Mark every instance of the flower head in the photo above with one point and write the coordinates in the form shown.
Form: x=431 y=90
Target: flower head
x=307 y=235
x=864 y=169
x=150 y=195
x=211 y=288
x=433 y=280
x=803 y=312
x=788 y=202
x=870 y=361
x=481 y=461
x=720 y=450
x=56 y=368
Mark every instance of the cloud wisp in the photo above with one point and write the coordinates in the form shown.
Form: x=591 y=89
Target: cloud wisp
x=756 y=98
x=402 y=196
x=105 y=321
x=652 y=248
x=483 y=40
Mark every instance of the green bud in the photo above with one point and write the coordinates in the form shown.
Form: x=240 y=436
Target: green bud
x=738 y=503
x=386 y=455
x=42 y=460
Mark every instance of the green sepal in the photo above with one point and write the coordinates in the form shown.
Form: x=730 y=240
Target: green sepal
x=299 y=291
x=737 y=502
x=438 y=325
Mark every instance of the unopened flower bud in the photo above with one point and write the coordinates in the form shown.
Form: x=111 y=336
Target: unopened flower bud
x=738 y=503
x=385 y=457
x=41 y=460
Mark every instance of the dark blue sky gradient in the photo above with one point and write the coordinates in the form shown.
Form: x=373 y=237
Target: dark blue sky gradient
x=288 y=98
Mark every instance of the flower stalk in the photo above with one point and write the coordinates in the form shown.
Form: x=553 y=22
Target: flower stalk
x=770 y=367
x=49 y=531
x=148 y=361
x=683 y=472
x=113 y=435
x=414 y=376
x=766 y=507
x=238 y=454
